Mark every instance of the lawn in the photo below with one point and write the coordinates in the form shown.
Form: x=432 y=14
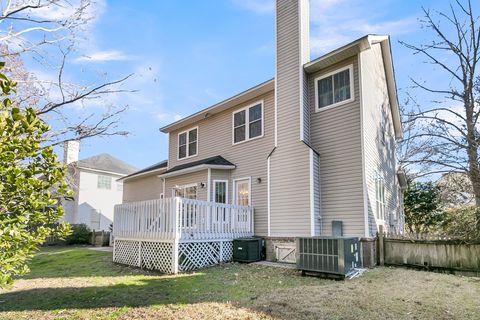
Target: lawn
x=79 y=283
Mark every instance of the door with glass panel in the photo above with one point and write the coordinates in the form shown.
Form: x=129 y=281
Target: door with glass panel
x=219 y=213
x=242 y=198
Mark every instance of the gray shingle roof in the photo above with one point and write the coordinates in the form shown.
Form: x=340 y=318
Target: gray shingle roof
x=217 y=160
x=153 y=167
x=106 y=162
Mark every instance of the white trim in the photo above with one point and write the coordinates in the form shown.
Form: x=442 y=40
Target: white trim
x=226 y=190
x=362 y=143
x=300 y=70
x=275 y=93
x=195 y=169
x=187 y=151
x=249 y=190
x=312 y=194
x=168 y=150
x=352 y=87
x=152 y=172
x=209 y=177
x=268 y=198
x=247 y=122
x=121 y=175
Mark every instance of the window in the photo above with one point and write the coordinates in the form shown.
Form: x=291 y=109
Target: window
x=189 y=192
x=248 y=123
x=188 y=143
x=334 y=88
x=380 y=197
x=221 y=191
x=242 y=192
x=104 y=182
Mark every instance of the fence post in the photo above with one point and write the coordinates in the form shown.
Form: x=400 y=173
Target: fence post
x=381 y=246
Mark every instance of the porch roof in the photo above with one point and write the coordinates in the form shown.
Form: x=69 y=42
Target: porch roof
x=217 y=162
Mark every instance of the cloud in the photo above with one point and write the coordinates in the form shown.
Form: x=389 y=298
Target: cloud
x=103 y=56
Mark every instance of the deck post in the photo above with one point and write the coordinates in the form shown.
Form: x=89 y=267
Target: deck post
x=176 y=235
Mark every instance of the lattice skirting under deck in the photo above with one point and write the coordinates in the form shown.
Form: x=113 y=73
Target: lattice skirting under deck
x=161 y=255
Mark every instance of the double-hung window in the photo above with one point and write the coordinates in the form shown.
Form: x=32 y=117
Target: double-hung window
x=248 y=123
x=188 y=143
x=334 y=88
x=380 y=197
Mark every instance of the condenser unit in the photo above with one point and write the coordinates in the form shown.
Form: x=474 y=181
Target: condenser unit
x=329 y=255
x=247 y=249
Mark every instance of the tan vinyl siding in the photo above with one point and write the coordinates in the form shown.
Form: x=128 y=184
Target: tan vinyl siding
x=142 y=188
x=290 y=163
x=336 y=135
x=378 y=156
x=197 y=178
x=316 y=194
x=250 y=157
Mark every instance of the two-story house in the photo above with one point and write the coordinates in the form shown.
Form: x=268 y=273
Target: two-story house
x=312 y=150
x=95 y=186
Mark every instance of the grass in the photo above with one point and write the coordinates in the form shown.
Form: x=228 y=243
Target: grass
x=79 y=283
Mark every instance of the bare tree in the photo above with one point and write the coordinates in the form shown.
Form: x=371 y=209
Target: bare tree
x=448 y=132
x=47 y=32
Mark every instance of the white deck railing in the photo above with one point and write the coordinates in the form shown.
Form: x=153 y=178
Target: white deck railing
x=181 y=219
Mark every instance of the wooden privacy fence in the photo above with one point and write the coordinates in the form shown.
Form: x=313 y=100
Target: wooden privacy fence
x=178 y=234
x=428 y=251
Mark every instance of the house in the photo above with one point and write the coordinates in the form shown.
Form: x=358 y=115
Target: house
x=311 y=150
x=95 y=186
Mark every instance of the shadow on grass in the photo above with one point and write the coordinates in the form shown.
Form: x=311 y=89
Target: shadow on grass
x=139 y=292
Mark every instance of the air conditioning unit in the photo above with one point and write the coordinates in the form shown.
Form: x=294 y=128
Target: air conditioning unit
x=329 y=255
x=247 y=249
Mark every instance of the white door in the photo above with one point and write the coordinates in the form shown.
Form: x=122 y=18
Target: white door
x=242 y=192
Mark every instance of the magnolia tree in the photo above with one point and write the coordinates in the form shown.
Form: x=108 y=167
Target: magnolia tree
x=31 y=184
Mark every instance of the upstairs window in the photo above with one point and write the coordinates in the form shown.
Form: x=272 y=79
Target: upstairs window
x=188 y=143
x=334 y=88
x=104 y=182
x=248 y=123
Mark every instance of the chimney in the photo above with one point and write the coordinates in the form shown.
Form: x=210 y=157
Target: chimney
x=291 y=162
x=292 y=52
x=71 y=149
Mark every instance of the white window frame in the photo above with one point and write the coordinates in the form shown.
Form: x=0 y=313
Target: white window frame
x=226 y=189
x=104 y=176
x=247 y=122
x=184 y=187
x=380 y=201
x=249 y=179
x=330 y=74
x=188 y=143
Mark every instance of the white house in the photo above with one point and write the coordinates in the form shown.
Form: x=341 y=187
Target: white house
x=95 y=186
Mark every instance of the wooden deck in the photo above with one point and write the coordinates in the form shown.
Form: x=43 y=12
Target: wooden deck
x=178 y=234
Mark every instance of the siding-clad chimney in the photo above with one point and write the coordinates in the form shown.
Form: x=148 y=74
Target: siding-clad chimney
x=290 y=163
x=71 y=149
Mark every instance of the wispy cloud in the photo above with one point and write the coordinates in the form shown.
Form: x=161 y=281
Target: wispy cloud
x=103 y=56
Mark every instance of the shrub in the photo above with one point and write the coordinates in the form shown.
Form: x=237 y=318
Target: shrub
x=461 y=222
x=81 y=234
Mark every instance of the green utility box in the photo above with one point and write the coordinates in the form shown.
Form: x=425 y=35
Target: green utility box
x=247 y=249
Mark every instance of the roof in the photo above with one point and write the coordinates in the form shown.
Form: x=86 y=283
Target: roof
x=154 y=168
x=321 y=62
x=242 y=97
x=107 y=163
x=217 y=162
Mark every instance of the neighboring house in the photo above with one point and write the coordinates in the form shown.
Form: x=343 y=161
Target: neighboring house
x=95 y=186
x=456 y=190
x=312 y=150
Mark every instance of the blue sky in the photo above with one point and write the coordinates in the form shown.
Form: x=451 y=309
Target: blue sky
x=187 y=55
